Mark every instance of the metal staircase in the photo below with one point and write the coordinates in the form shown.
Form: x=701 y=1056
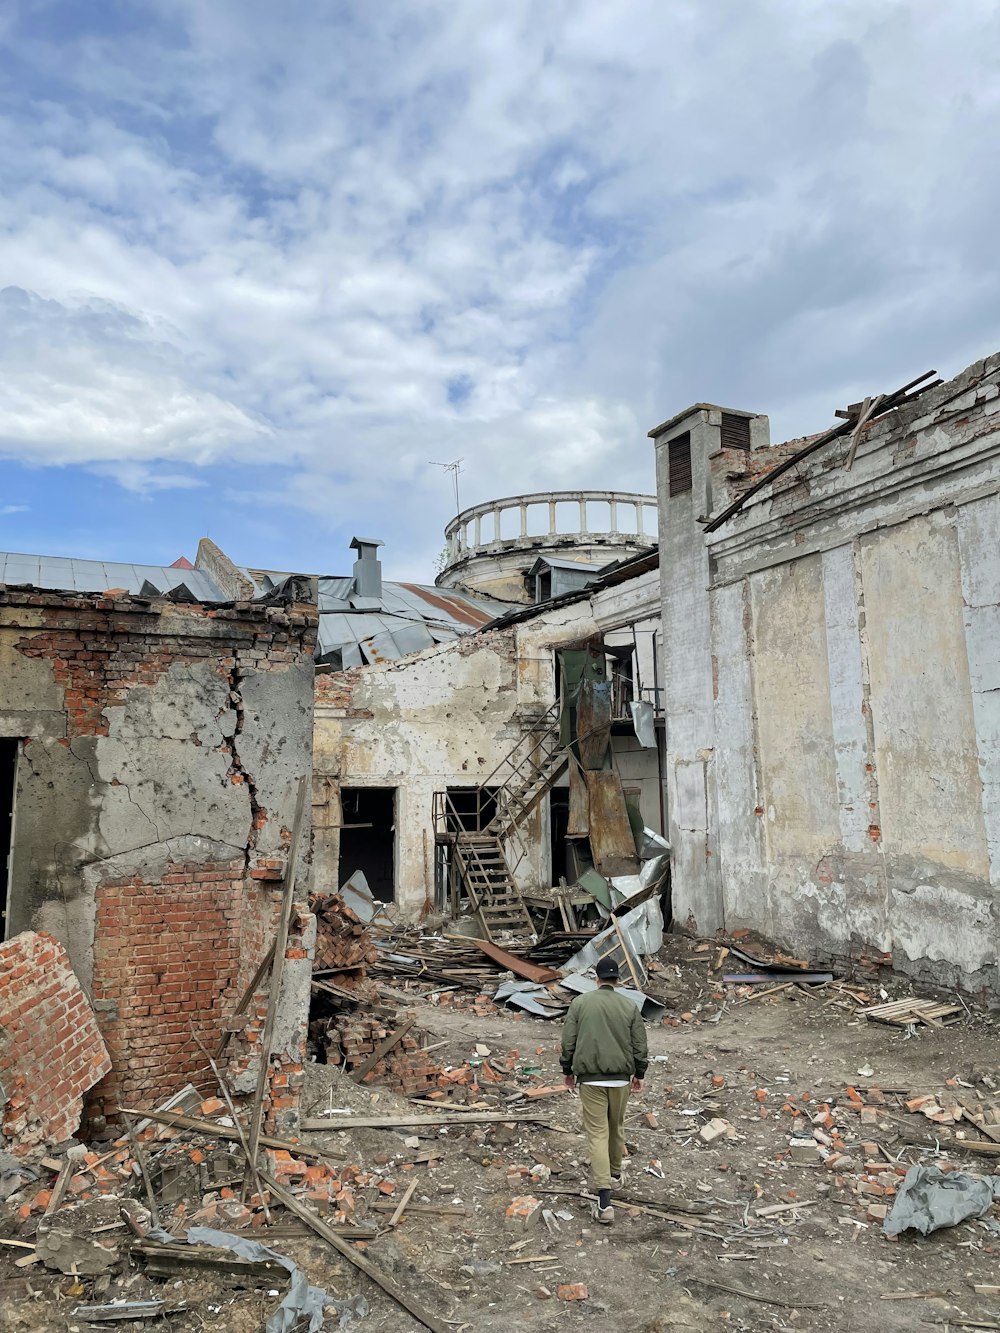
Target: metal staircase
x=483 y=869
x=523 y=777
x=482 y=852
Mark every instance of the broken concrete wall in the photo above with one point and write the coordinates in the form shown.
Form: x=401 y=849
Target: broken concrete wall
x=446 y=718
x=440 y=719
x=51 y=1051
x=841 y=707
x=161 y=747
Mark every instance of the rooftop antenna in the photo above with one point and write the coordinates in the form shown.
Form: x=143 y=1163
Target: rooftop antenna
x=454 y=468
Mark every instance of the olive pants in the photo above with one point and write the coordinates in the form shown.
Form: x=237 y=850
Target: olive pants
x=603 y=1112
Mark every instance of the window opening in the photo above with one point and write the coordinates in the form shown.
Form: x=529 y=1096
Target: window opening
x=735 y=432
x=679 y=464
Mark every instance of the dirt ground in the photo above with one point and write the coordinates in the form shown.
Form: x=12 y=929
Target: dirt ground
x=765 y=1064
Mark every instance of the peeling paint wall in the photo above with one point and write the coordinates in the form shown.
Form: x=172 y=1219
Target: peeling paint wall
x=852 y=747
x=161 y=748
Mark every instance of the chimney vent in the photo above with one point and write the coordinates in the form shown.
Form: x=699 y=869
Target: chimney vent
x=367 y=568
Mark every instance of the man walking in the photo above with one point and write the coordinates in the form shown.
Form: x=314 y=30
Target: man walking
x=604 y=1050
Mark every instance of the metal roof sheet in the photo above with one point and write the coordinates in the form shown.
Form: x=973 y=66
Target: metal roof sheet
x=407 y=618
x=66 y=574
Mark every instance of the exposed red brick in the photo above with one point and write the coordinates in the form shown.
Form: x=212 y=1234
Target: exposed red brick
x=51 y=1051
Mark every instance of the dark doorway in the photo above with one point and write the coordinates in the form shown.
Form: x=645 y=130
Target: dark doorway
x=474 y=807
x=8 y=786
x=368 y=838
x=558 y=824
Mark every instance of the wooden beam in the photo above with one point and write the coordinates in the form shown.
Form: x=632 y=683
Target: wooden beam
x=355 y=1257
x=246 y=997
x=198 y=1126
x=277 y=971
x=401 y=1121
x=400 y=1207
x=382 y=1050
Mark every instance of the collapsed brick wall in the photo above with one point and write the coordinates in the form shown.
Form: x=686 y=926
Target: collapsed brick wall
x=166 y=956
x=51 y=1051
x=162 y=745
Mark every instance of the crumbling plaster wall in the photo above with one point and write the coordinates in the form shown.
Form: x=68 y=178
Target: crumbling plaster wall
x=161 y=749
x=439 y=719
x=852 y=740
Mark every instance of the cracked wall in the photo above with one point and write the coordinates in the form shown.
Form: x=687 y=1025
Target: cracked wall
x=849 y=640
x=162 y=745
x=439 y=719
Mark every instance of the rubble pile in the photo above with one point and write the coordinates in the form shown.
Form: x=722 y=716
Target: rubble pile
x=343 y=944
x=354 y=1038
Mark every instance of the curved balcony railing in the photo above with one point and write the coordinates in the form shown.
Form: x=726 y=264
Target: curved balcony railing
x=521 y=519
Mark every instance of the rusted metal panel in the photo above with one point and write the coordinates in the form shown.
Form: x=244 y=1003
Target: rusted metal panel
x=611 y=838
x=579 y=804
x=454 y=607
x=593 y=723
x=511 y=962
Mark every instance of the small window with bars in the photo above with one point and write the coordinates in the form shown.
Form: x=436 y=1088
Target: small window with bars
x=735 y=431
x=679 y=464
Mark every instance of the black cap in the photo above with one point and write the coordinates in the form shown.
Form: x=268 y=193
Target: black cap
x=607 y=970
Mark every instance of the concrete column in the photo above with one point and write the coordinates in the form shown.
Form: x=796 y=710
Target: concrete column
x=479 y=530
x=613 y=506
x=524 y=520
x=496 y=523
x=688 y=675
x=552 y=517
x=583 y=515
x=640 y=514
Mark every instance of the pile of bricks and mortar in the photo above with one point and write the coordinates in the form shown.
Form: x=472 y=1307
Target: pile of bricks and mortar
x=353 y=1038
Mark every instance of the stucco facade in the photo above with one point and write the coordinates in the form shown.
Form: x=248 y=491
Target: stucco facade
x=833 y=688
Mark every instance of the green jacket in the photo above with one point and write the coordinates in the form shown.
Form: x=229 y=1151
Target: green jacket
x=604 y=1037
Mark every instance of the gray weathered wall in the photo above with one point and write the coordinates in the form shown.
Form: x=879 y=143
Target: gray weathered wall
x=852 y=747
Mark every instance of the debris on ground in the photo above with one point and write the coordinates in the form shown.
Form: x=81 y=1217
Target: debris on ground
x=439 y=1176
x=929 y=1199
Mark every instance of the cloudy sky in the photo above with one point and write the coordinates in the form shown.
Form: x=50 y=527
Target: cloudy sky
x=261 y=264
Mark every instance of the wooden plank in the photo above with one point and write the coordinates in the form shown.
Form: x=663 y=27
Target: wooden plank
x=198 y=1126
x=180 y=1257
x=382 y=1050
x=140 y=1157
x=355 y=1257
x=69 y=1168
x=401 y=1206
x=277 y=971
x=433 y=1209
x=245 y=998
x=406 y=1121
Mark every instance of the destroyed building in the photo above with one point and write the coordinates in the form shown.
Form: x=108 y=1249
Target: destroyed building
x=155 y=726
x=833 y=777
x=444 y=768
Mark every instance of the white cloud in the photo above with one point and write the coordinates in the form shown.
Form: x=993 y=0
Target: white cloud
x=344 y=243
x=5 y=510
